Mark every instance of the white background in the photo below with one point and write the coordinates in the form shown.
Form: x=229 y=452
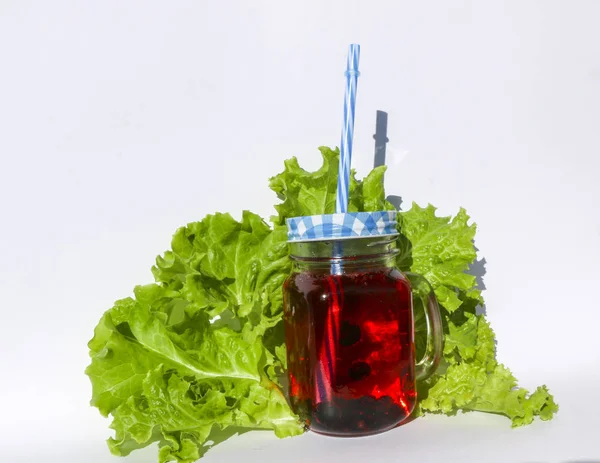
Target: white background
x=122 y=120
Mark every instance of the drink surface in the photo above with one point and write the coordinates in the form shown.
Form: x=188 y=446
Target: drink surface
x=350 y=341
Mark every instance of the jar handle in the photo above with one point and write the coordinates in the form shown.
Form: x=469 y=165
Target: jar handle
x=435 y=332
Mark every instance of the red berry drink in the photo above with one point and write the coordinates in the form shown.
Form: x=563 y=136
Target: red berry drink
x=350 y=344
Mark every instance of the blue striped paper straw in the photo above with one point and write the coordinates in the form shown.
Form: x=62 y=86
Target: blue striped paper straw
x=325 y=372
x=352 y=74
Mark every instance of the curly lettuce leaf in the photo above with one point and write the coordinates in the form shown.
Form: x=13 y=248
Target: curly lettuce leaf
x=196 y=357
x=439 y=248
x=312 y=193
x=222 y=264
x=198 y=353
x=467 y=386
x=474 y=380
x=180 y=413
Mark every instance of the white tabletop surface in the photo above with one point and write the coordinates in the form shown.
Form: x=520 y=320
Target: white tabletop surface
x=122 y=120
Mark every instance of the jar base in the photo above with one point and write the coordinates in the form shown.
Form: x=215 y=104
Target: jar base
x=353 y=435
x=356 y=417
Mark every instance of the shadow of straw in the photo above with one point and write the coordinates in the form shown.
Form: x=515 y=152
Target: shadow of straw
x=379 y=156
x=381 y=138
x=477 y=268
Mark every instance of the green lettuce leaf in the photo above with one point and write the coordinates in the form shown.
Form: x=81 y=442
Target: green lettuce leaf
x=197 y=356
x=439 y=248
x=199 y=352
x=179 y=413
x=442 y=250
x=469 y=387
x=311 y=193
x=221 y=264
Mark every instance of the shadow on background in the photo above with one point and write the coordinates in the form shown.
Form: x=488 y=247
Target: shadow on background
x=381 y=141
x=395 y=200
x=381 y=138
x=477 y=268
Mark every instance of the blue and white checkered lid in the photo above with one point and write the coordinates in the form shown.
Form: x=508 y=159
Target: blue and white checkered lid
x=342 y=226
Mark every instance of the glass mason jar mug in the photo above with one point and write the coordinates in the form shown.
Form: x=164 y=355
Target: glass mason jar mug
x=349 y=325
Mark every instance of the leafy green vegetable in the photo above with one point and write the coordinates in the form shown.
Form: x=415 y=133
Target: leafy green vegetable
x=196 y=356
x=475 y=381
x=441 y=249
x=310 y=193
x=169 y=375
